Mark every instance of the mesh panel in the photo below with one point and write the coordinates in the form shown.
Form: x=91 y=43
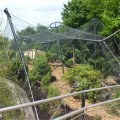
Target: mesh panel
x=85 y=47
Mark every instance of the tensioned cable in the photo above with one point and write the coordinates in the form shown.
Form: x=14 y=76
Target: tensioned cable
x=22 y=20
x=111 y=35
x=116 y=43
x=22 y=59
x=112 y=53
x=75 y=81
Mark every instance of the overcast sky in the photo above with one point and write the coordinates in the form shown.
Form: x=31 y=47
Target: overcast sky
x=35 y=11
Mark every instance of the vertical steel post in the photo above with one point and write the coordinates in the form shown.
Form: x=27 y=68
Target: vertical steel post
x=58 y=43
x=16 y=40
x=95 y=24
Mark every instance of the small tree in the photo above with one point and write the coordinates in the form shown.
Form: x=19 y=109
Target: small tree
x=88 y=79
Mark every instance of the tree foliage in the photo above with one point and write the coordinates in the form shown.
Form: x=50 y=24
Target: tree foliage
x=78 y=12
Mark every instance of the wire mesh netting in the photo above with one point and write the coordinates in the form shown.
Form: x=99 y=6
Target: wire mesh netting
x=34 y=67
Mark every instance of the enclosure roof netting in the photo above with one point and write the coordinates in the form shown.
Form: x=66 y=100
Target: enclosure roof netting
x=49 y=35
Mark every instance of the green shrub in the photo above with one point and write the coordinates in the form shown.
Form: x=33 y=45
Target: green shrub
x=34 y=76
x=40 y=70
x=88 y=79
x=53 y=91
x=45 y=107
x=69 y=62
x=27 y=59
x=51 y=57
x=46 y=80
x=15 y=70
x=41 y=66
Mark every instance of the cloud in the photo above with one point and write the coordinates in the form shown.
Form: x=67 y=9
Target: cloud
x=35 y=11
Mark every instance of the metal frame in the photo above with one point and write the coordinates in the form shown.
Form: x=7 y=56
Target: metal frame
x=58 y=42
x=6 y=109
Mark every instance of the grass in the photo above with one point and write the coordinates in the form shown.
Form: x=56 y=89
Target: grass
x=6 y=101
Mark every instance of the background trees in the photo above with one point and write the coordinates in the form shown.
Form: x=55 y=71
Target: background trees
x=78 y=12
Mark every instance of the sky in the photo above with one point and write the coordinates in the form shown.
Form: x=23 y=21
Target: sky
x=43 y=12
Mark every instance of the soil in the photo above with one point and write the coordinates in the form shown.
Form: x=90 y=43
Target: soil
x=75 y=104
x=71 y=103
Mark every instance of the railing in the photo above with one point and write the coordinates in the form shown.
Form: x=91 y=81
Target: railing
x=85 y=108
x=6 y=109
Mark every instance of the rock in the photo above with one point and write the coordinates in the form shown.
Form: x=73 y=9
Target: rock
x=110 y=83
x=105 y=96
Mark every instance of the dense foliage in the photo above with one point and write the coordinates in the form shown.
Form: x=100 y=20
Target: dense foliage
x=88 y=79
x=15 y=70
x=78 y=12
x=40 y=69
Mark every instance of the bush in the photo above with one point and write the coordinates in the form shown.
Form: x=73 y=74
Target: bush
x=51 y=57
x=46 y=80
x=40 y=70
x=88 y=79
x=69 y=62
x=15 y=70
x=41 y=66
x=53 y=91
x=34 y=76
x=27 y=59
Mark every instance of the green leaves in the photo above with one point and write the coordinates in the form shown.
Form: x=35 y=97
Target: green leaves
x=87 y=77
x=78 y=12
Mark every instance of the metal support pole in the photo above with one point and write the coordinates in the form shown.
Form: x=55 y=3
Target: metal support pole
x=16 y=40
x=56 y=25
x=95 y=43
x=47 y=47
x=83 y=104
x=58 y=43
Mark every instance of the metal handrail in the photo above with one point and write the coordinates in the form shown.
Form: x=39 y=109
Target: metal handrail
x=84 y=108
x=2 y=110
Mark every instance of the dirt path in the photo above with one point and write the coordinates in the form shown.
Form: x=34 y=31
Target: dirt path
x=76 y=103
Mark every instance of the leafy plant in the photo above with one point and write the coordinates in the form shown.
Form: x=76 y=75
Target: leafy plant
x=51 y=57
x=69 y=62
x=52 y=92
x=46 y=79
x=15 y=70
x=88 y=79
x=41 y=66
x=34 y=76
x=41 y=70
x=27 y=59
